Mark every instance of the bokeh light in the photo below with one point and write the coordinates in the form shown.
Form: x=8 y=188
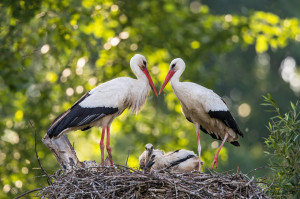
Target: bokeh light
x=79 y=89
x=79 y=71
x=115 y=41
x=81 y=62
x=6 y=188
x=287 y=68
x=124 y=35
x=93 y=81
x=228 y=18
x=19 y=184
x=67 y=72
x=215 y=144
x=10 y=136
x=244 y=110
x=45 y=48
x=290 y=73
x=25 y=170
x=114 y=8
x=133 y=47
x=17 y=155
x=107 y=46
x=70 y=91
x=195 y=7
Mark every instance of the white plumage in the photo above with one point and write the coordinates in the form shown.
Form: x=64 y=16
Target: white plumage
x=102 y=104
x=178 y=161
x=145 y=156
x=204 y=108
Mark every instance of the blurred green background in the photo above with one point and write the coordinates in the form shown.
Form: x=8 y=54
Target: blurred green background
x=52 y=52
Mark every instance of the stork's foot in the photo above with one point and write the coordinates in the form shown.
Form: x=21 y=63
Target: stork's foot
x=102 y=155
x=215 y=162
x=109 y=155
x=111 y=161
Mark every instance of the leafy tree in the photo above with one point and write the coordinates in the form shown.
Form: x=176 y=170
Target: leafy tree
x=283 y=148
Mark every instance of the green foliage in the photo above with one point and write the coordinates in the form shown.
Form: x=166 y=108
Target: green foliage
x=283 y=149
x=54 y=51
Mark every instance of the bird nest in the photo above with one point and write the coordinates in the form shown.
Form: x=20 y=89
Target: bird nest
x=123 y=182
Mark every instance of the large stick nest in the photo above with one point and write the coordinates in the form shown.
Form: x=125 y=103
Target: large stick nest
x=124 y=182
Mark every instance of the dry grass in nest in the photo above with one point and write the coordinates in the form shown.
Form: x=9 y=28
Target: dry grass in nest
x=124 y=182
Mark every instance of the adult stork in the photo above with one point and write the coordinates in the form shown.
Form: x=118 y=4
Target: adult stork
x=105 y=102
x=204 y=108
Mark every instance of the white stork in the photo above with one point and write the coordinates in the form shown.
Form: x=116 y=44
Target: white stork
x=180 y=161
x=204 y=108
x=145 y=156
x=105 y=102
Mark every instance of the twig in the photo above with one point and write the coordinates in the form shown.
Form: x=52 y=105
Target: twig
x=37 y=156
x=263 y=167
x=127 y=158
x=27 y=192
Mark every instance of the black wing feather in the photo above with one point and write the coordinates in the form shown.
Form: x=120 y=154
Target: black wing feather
x=78 y=116
x=227 y=119
x=174 y=163
x=64 y=113
x=235 y=143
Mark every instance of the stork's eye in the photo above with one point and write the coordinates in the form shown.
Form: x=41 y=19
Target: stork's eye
x=173 y=65
x=152 y=147
x=145 y=63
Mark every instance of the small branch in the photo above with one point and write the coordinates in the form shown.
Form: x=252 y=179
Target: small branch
x=37 y=156
x=263 y=167
x=127 y=157
x=27 y=192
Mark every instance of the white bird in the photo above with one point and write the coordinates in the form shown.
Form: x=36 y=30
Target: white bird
x=105 y=102
x=145 y=156
x=204 y=108
x=178 y=161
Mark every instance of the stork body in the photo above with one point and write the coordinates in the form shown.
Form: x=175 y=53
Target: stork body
x=105 y=102
x=204 y=108
x=145 y=156
x=178 y=161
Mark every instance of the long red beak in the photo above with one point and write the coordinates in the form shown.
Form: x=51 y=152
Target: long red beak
x=167 y=79
x=150 y=80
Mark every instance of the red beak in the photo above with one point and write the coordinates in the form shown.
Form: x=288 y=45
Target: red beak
x=150 y=80
x=167 y=79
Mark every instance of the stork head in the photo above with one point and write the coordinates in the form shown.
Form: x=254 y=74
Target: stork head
x=175 y=65
x=149 y=149
x=138 y=64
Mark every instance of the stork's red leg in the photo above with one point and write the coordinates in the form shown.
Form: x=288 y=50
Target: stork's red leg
x=217 y=154
x=108 y=148
x=199 y=149
x=102 y=146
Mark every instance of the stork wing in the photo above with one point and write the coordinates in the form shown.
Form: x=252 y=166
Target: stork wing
x=78 y=116
x=178 y=161
x=216 y=107
x=227 y=119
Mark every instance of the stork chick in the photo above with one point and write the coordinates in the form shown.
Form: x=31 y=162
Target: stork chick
x=178 y=161
x=145 y=156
